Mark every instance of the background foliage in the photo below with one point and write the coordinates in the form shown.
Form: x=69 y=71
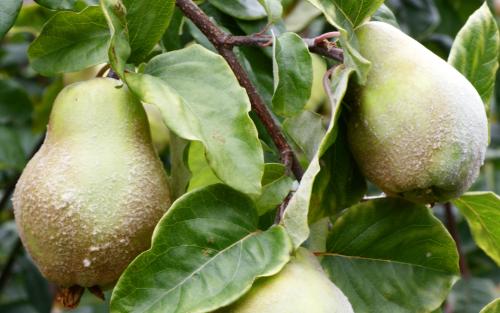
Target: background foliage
x=26 y=98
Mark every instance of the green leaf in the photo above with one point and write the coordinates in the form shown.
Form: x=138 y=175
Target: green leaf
x=70 y=42
x=342 y=12
x=147 y=20
x=302 y=14
x=275 y=183
x=340 y=183
x=295 y=218
x=384 y=14
x=200 y=99
x=418 y=18
x=273 y=8
x=319 y=234
x=471 y=294
x=119 y=47
x=12 y=154
x=206 y=253
x=391 y=255
x=9 y=9
x=293 y=74
x=475 y=52
x=66 y=4
x=306 y=130
x=171 y=39
x=242 y=9
x=180 y=174
x=32 y=18
x=493 y=307
x=201 y=172
x=136 y=27
x=15 y=104
x=275 y=187
x=346 y=16
x=482 y=212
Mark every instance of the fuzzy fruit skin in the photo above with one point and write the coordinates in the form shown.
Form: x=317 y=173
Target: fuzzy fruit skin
x=418 y=128
x=87 y=203
x=300 y=287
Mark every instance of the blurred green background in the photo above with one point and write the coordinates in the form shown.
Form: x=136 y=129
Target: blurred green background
x=26 y=99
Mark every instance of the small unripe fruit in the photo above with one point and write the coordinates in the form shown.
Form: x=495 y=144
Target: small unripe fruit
x=418 y=128
x=87 y=203
x=300 y=287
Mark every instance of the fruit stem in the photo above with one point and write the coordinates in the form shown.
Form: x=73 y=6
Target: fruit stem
x=319 y=39
x=70 y=297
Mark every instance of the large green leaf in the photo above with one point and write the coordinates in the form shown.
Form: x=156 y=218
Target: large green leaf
x=493 y=307
x=242 y=9
x=200 y=99
x=295 y=218
x=475 y=51
x=9 y=9
x=70 y=42
x=293 y=74
x=346 y=16
x=147 y=20
x=391 y=255
x=206 y=253
x=482 y=212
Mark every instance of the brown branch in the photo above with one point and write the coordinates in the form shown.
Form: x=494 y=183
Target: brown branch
x=280 y=212
x=224 y=45
x=329 y=50
x=319 y=45
x=451 y=224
